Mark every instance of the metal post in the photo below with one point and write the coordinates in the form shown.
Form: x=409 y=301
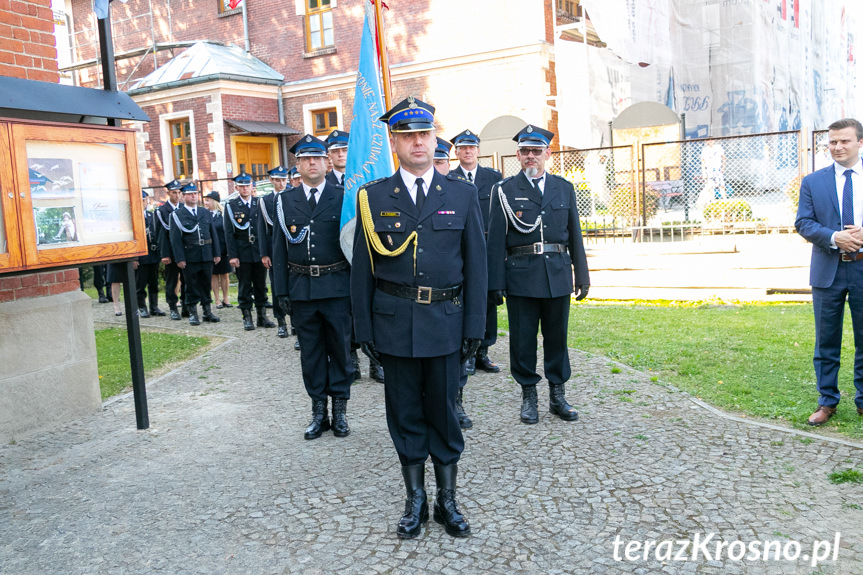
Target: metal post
x=133 y=329
x=136 y=357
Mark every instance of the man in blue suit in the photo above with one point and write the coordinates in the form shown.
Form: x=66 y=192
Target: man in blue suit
x=829 y=215
x=418 y=288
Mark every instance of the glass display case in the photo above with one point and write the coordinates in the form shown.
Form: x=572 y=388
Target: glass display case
x=69 y=195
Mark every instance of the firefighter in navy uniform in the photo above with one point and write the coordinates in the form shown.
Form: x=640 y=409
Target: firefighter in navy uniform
x=147 y=272
x=467 y=151
x=418 y=288
x=241 y=215
x=337 y=151
x=441 y=156
x=312 y=284
x=536 y=260
x=266 y=212
x=173 y=274
x=195 y=248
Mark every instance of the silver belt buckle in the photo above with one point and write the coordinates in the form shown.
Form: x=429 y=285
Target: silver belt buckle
x=427 y=291
x=315 y=271
x=538 y=248
x=202 y=242
x=251 y=238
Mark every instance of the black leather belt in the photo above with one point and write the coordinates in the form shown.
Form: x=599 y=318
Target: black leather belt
x=317 y=271
x=419 y=294
x=851 y=257
x=199 y=243
x=537 y=249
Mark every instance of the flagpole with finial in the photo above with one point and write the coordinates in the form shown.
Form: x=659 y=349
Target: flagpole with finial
x=380 y=40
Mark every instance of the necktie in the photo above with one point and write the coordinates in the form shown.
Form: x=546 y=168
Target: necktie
x=469 y=177
x=536 y=182
x=848 y=201
x=313 y=203
x=342 y=180
x=195 y=213
x=421 y=196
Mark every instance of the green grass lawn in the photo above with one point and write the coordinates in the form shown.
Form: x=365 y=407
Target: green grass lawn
x=161 y=350
x=754 y=359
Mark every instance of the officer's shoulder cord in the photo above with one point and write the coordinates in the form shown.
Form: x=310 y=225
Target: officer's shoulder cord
x=233 y=221
x=167 y=226
x=373 y=241
x=182 y=229
x=517 y=224
x=266 y=213
x=304 y=233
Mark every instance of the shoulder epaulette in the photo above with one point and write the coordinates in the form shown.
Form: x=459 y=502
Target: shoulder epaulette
x=373 y=182
x=503 y=181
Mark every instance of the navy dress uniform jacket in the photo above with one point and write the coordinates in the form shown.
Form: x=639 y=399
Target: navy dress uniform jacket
x=540 y=276
x=320 y=247
x=485 y=179
x=450 y=252
x=201 y=245
x=152 y=231
x=267 y=209
x=163 y=217
x=242 y=244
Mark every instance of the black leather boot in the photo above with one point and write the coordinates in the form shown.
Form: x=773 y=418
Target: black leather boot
x=142 y=312
x=283 y=327
x=174 y=313
x=529 y=411
x=557 y=404
x=248 y=322
x=355 y=362
x=263 y=320
x=184 y=310
x=463 y=420
x=340 y=417
x=102 y=297
x=320 y=421
x=445 y=507
x=209 y=315
x=193 y=314
x=154 y=305
x=470 y=365
x=484 y=363
x=376 y=370
x=416 y=503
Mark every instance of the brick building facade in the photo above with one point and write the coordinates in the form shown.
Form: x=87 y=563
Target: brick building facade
x=484 y=66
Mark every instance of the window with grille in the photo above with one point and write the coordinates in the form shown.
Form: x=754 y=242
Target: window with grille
x=325 y=121
x=319 y=25
x=181 y=148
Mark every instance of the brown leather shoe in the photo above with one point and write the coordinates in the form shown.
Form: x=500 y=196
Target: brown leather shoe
x=822 y=415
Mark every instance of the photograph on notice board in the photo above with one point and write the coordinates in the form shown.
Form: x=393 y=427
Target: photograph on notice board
x=55 y=225
x=51 y=178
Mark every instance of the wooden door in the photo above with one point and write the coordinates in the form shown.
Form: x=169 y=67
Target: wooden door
x=254 y=158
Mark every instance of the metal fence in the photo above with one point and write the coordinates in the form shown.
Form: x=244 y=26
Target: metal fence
x=672 y=190
x=820 y=154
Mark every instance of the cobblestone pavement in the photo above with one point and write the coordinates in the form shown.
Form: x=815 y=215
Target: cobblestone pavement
x=224 y=482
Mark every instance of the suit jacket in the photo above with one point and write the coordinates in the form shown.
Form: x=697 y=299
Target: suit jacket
x=242 y=244
x=152 y=231
x=818 y=217
x=163 y=217
x=529 y=275
x=265 y=231
x=320 y=247
x=332 y=179
x=202 y=245
x=485 y=179
x=450 y=251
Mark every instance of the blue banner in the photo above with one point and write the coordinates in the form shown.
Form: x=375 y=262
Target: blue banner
x=369 y=155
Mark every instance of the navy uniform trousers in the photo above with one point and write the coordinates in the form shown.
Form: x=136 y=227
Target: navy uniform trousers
x=420 y=343
x=242 y=244
x=265 y=240
x=196 y=249
x=173 y=274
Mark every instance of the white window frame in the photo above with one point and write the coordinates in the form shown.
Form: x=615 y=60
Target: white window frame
x=310 y=109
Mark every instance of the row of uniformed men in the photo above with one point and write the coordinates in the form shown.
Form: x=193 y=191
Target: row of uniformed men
x=429 y=267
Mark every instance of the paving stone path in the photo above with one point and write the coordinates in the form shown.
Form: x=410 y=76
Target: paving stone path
x=223 y=481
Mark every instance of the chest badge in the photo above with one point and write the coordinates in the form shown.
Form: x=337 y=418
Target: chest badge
x=293 y=229
x=437 y=187
x=390 y=239
x=398 y=225
x=518 y=214
x=396 y=190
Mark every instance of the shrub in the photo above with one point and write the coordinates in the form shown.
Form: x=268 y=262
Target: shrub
x=728 y=211
x=625 y=205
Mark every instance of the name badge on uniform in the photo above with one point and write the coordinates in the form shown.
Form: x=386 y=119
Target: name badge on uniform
x=522 y=199
x=390 y=214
